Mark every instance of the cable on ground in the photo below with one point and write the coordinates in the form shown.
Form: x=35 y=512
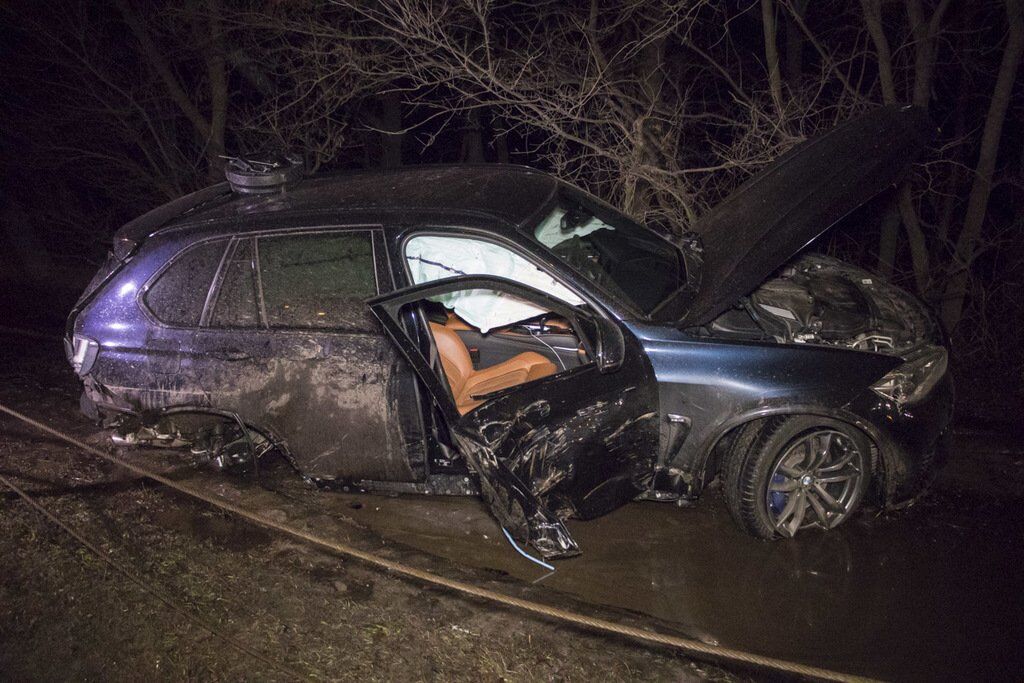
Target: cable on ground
x=141 y=583
x=688 y=646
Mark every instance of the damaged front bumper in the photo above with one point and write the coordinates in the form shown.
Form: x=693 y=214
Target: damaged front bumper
x=910 y=439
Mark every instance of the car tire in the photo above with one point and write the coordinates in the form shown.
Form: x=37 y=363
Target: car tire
x=786 y=474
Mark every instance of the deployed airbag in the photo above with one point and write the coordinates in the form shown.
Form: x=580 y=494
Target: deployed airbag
x=433 y=257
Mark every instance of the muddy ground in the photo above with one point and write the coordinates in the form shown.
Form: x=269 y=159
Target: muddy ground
x=932 y=592
x=65 y=615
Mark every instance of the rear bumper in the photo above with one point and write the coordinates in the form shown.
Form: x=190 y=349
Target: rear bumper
x=98 y=403
x=910 y=439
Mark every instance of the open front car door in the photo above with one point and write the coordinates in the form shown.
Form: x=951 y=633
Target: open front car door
x=578 y=442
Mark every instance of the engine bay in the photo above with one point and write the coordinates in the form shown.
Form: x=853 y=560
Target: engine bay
x=817 y=299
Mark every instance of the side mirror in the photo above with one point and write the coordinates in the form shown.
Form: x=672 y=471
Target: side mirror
x=610 y=347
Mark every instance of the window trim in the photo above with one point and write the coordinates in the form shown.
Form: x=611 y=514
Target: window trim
x=143 y=291
x=216 y=287
x=386 y=305
x=468 y=233
x=257 y=273
x=213 y=291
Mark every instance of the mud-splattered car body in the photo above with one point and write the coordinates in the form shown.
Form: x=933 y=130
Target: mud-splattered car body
x=358 y=401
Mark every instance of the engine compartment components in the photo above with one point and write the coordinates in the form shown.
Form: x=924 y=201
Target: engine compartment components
x=821 y=300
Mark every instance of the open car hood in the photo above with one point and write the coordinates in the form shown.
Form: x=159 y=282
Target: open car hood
x=768 y=219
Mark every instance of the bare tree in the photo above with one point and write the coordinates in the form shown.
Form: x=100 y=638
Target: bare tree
x=658 y=106
x=591 y=90
x=208 y=127
x=313 y=87
x=612 y=97
x=121 y=114
x=968 y=241
x=771 y=52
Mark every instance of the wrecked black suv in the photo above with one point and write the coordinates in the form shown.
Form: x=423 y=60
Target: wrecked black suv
x=490 y=330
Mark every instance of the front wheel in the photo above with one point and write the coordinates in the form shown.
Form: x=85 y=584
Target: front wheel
x=790 y=473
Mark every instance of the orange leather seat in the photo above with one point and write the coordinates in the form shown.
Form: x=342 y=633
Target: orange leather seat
x=466 y=382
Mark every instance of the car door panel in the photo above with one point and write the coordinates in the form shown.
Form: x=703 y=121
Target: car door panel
x=577 y=443
x=331 y=397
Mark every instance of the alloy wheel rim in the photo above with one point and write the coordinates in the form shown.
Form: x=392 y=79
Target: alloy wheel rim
x=816 y=482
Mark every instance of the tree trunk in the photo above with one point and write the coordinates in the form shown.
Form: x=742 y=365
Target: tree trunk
x=158 y=62
x=391 y=122
x=501 y=148
x=950 y=201
x=472 y=138
x=925 y=32
x=873 y=22
x=915 y=239
x=648 y=133
x=888 y=239
x=216 y=68
x=977 y=202
x=795 y=45
x=771 y=53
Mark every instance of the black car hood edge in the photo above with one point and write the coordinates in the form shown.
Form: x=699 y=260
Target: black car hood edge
x=768 y=219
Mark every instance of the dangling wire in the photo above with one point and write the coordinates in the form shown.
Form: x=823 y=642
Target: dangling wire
x=519 y=550
x=551 y=348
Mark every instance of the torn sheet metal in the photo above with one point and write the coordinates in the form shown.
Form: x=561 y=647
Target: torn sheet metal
x=574 y=444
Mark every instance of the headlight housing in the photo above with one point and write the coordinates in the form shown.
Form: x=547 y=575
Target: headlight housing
x=918 y=375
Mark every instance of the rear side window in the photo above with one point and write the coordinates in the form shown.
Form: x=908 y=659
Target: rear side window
x=179 y=294
x=318 y=281
x=236 y=303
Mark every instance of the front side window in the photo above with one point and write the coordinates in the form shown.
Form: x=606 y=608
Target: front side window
x=479 y=364
x=435 y=257
x=318 y=281
x=179 y=293
x=622 y=257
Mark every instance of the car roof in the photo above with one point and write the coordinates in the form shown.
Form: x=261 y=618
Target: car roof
x=504 y=193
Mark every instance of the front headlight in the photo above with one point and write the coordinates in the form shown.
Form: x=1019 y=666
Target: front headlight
x=913 y=380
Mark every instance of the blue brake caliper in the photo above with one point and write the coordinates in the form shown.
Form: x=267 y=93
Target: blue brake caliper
x=777 y=499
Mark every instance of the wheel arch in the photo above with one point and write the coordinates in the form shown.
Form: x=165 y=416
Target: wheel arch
x=279 y=444
x=711 y=451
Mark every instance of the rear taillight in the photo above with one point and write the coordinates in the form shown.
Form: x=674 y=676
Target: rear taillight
x=82 y=354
